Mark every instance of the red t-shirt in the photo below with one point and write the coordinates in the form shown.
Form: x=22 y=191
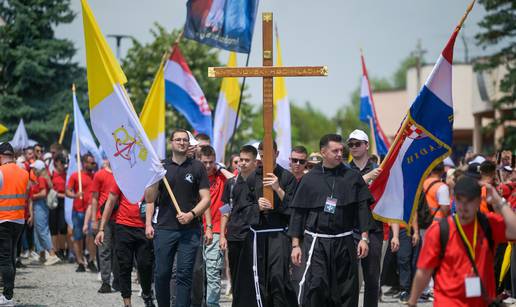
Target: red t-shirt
x=80 y=205
x=217 y=182
x=128 y=214
x=450 y=289
x=59 y=181
x=38 y=185
x=103 y=183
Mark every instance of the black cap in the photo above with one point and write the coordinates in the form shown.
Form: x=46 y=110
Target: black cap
x=473 y=171
x=6 y=149
x=467 y=186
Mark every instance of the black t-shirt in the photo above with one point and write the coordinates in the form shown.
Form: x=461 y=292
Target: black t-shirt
x=185 y=180
x=236 y=194
x=370 y=165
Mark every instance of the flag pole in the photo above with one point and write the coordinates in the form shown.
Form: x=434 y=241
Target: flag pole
x=463 y=19
x=63 y=130
x=78 y=152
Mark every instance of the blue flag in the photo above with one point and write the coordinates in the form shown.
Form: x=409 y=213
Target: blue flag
x=222 y=23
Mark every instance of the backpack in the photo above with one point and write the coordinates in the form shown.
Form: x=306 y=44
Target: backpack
x=424 y=214
x=444 y=231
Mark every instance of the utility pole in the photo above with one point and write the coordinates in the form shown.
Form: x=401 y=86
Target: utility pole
x=118 y=38
x=418 y=54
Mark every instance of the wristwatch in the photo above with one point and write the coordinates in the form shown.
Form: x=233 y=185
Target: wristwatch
x=365 y=239
x=209 y=226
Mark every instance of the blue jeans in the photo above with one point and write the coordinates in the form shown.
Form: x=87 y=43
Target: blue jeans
x=166 y=244
x=42 y=239
x=214 y=261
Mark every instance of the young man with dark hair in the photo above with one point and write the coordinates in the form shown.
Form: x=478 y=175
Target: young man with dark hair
x=212 y=255
x=81 y=201
x=330 y=201
x=175 y=232
x=235 y=229
x=298 y=158
x=271 y=245
x=459 y=250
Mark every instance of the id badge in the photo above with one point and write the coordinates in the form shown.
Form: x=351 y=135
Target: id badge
x=226 y=209
x=473 y=288
x=331 y=205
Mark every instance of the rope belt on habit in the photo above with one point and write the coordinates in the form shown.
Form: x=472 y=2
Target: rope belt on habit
x=310 y=253
x=255 y=261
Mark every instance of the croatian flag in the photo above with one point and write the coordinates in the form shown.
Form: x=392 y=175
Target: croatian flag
x=368 y=115
x=184 y=94
x=423 y=141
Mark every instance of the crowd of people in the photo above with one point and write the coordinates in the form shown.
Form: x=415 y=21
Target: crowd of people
x=314 y=244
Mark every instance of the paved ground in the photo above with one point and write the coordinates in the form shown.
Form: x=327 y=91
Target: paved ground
x=60 y=286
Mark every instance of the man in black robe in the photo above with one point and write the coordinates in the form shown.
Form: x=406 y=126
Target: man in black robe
x=235 y=230
x=271 y=245
x=330 y=201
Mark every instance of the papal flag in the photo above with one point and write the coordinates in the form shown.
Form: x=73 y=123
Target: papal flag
x=226 y=112
x=3 y=129
x=134 y=161
x=152 y=116
x=281 y=114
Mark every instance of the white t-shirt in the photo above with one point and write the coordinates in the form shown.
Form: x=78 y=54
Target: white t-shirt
x=443 y=195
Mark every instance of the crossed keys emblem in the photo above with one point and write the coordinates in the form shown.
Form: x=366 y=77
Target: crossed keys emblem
x=127 y=146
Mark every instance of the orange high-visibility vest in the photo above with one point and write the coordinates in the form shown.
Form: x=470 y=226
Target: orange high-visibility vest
x=13 y=194
x=431 y=198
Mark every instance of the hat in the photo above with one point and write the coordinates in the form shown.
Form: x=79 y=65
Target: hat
x=473 y=171
x=38 y=165
x=47 y=156
x=449 y=162
x=468 y=187
x=507 y=168
x=6 y=149
x=358 y=135
x=315 y=158
x=478 y=160
x=193 y=141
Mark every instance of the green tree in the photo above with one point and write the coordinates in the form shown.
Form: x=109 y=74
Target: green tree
x=498 y=31
x=36 y=69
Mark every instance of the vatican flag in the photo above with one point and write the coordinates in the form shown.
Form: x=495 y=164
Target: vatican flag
x=281 y=114
x=134 y=162
x=226 y=111
x=3 y=129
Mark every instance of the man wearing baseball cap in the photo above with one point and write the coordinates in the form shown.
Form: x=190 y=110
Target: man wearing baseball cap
x=14 y=182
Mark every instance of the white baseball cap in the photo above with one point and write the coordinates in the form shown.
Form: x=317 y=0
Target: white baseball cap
x=47 y=156
x=358 y=135
x=38 y=165
x=193 y=141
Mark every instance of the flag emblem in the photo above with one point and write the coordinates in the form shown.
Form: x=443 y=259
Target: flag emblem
x=127 y=144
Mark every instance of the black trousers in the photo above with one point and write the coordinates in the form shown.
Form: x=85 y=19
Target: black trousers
x=9 y=234
x=56 y=219
x=240 y=257
x=131 y=243
x=371 y=269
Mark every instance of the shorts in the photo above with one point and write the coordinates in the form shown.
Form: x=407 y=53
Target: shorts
x=78 y=222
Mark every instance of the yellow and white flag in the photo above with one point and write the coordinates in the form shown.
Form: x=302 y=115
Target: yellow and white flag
x=3 y=129
x=226 y=111
x=153 y=114
x=281 y=114
x=134 y=162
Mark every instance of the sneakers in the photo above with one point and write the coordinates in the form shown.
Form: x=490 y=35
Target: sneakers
x=392 y=291
x=148 y=300
x=19 y=264
x=80 y=268
x=51 y=260
x=105 y=288
x=35 y=257
x=25 y=254
x=5 y=302
x=404 y=297
x=92 y=267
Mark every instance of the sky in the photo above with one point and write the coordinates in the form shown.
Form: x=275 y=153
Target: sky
x=324 y=32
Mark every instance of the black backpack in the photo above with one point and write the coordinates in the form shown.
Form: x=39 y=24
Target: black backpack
x=424 y=214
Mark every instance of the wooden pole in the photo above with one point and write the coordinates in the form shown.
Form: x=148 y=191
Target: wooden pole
x=169 y=189
x=63 y=130
x=78 y=153
x=400 y=133
x=461 y=22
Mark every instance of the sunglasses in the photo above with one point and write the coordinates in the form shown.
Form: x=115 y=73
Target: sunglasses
x=354 y=144
x=298 y=161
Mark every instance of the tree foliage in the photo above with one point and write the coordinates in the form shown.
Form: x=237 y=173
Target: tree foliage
x=36 y=69
x=498 y=30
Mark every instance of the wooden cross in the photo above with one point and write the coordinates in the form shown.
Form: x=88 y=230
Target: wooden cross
x=267 y=72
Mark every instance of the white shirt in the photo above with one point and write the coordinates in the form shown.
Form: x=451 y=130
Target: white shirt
x=443 y=195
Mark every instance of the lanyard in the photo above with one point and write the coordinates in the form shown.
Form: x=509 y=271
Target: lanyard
x=465 y=238
x=333 y=183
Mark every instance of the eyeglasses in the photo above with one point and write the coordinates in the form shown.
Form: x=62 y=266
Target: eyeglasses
x=354 y=144
x=296 y=161
x=179 y=140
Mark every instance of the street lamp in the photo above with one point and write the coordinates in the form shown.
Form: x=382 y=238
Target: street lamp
x=119 y=38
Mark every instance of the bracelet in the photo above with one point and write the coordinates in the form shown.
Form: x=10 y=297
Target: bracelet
x=193 y=213
x=101 y=229
x=295 y=246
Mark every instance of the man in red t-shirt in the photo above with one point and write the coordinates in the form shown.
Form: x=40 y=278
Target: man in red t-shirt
x=81 y=201
x=213 y=257
x=103 y=183
x=456 y=283
x=131 y=244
